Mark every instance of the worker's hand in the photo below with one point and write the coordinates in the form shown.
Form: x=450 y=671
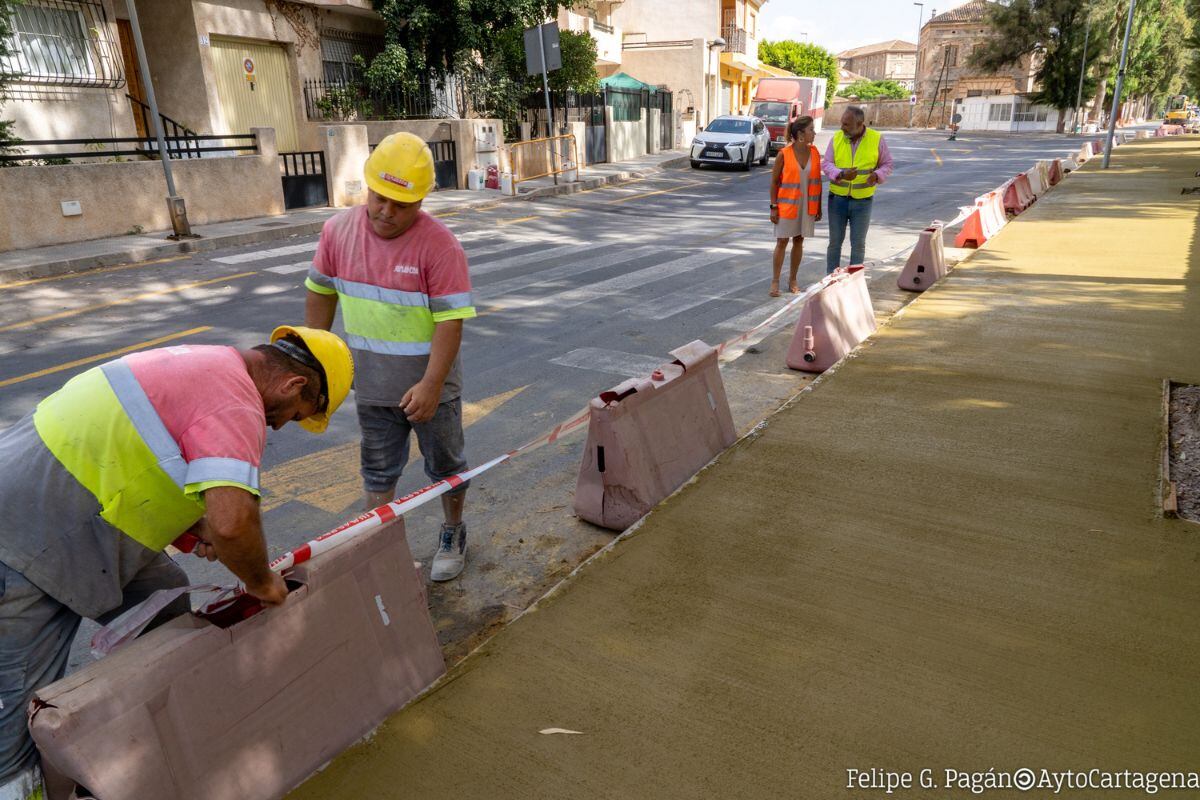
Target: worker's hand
x=848 y=174
x=205 y=549
x=819 y=215
x=421 y=401
x=273 y=592
x=774 y=216
x=872 y=179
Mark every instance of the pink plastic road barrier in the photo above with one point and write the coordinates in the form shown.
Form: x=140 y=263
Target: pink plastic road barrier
x=973 y=232
x=648 y=436
x=220 y=707
x=1036 y=186
x=927 y=262
x=1018 y=195
x=833 y=322
x=1056 y=172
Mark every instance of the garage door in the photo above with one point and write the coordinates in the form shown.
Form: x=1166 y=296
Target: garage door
x=255 y=88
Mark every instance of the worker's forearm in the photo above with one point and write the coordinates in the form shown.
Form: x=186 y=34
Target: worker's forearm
x=319 y=310
x=233 y=525
x=447 y=336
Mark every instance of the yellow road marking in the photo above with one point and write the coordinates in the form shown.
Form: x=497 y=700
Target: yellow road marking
x=335 y=470
x=85 y=273
x=657 y=191
x=125 y=301
x=485 y=208
x=103 y=356
x=514 y=221
x=936 y=156
x=448 y=214
x=566 y=211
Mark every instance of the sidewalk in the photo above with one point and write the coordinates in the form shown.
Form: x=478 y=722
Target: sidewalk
x=21 y=265
x=948 y=556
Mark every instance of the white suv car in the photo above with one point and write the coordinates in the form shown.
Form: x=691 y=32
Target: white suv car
x=732 y=140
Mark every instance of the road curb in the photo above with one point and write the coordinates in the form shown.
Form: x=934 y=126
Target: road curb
x=16 y=273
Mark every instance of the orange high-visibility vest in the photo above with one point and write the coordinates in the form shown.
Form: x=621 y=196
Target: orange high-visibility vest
x=791 y=187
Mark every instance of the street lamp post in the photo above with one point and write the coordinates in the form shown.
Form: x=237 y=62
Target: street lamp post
x=1087 y=32
x=175 y=205
x=715 y=46
x=920 y=23
x=1112 y=118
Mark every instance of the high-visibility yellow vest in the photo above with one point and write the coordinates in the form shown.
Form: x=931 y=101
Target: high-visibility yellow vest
x=865 y=159
x=104 y=430
x=792 y=187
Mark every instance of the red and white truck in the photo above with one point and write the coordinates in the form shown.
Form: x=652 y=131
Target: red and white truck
x=778 y=101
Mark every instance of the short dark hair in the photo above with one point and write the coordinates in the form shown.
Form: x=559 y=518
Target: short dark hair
x=797 y=126
x=858 y=112
x=295 y=358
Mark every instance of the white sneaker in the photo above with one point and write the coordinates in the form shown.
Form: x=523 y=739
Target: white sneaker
x=448 y=561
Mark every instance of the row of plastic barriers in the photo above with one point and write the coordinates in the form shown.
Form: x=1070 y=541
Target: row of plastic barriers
x=354 y=641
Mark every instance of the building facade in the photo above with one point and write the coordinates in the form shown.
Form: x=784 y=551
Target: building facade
x=218 y=66
x=944 y=77
x=895 y=60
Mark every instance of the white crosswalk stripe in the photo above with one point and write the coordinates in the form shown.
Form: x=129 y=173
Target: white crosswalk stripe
x=527 y=259
x=288 y=269
x=615 y=362
x=570 y=269
x=749 y=319
x=263 y=255
x=623 y=283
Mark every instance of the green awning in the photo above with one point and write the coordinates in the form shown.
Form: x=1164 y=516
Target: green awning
x=622 y=80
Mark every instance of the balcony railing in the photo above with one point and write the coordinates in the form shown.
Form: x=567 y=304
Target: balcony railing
x=735 y=39
x=600 y=26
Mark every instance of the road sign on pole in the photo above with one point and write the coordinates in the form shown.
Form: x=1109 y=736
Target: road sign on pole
x=542 y=54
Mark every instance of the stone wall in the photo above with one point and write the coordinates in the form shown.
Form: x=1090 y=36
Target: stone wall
x=880 y=113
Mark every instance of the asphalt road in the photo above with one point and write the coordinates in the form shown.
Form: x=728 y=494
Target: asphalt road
x=575 y=294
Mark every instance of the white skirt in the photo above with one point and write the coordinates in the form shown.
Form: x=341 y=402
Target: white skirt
x=803 y=225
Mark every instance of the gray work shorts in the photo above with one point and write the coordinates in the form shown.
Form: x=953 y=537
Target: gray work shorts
x=36 y=632
x=385 y=444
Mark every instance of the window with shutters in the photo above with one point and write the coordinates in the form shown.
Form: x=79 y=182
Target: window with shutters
x=338 y=51
x=999 y=112
x=62 y=43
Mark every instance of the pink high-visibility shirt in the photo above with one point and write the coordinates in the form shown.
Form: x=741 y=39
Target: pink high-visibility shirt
x=211 y=408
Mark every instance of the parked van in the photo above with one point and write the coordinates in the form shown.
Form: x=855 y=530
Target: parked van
x=778 y=101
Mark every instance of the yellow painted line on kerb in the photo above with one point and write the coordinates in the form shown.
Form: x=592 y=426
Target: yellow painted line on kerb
x=104 y=356
x=657 y=191
x=936 y=156
x=143 y=296
x=90 y=272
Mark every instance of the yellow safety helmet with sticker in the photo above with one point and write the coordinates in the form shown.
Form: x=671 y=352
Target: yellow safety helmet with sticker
x=330 y=357
x=400 y=168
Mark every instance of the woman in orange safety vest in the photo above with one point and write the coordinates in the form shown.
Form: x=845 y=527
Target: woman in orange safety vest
x=795 y=198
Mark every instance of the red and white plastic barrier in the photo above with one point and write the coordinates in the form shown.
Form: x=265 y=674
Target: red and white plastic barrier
x=649 y=436
x=927 y=263
x=833 y=322
x=1056 y=172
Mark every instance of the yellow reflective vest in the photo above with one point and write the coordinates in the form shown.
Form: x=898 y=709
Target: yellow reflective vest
x=865 y=159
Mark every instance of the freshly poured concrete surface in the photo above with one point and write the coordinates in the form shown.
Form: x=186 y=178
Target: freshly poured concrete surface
x=949 y=555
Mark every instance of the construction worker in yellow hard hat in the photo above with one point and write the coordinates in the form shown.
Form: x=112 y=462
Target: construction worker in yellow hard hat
x=400 y=277
x=158 y=447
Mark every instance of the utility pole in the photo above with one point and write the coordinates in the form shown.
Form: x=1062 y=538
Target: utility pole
x=1087 y=32
x=1116 y=106
x=175 y=205
x=916 y=59
x=546 y=91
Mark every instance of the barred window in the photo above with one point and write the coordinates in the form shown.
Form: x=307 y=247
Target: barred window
x=338 y=49
x=62 y=43
x=999 y=112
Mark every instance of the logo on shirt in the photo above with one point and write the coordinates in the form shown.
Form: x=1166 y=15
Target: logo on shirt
x=406 y=270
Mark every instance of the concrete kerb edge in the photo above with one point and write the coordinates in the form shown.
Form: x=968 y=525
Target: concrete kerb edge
x=603 y=180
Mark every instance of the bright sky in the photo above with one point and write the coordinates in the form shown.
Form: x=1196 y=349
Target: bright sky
x=838 y=26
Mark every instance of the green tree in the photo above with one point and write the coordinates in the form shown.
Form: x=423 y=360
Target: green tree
x=8 y=139
x=1051 y=33
x=433 y=37
x=578 y=53
x=808 y=60
x=1191 y=75
x=875 y=90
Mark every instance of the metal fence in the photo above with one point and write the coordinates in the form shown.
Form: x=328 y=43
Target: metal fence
x=453 y=97
x=45 y=152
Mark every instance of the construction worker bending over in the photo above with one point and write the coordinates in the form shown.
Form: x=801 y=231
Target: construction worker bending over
x=401 y=279
x=117 y=464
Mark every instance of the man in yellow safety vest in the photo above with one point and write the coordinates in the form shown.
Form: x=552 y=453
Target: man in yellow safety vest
x=119 y=463
x=856 y=161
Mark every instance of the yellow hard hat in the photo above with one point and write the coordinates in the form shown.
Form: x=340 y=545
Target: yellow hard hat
x=400 y=168
x=336 y=368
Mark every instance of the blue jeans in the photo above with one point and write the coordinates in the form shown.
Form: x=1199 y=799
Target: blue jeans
x=858 y=214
